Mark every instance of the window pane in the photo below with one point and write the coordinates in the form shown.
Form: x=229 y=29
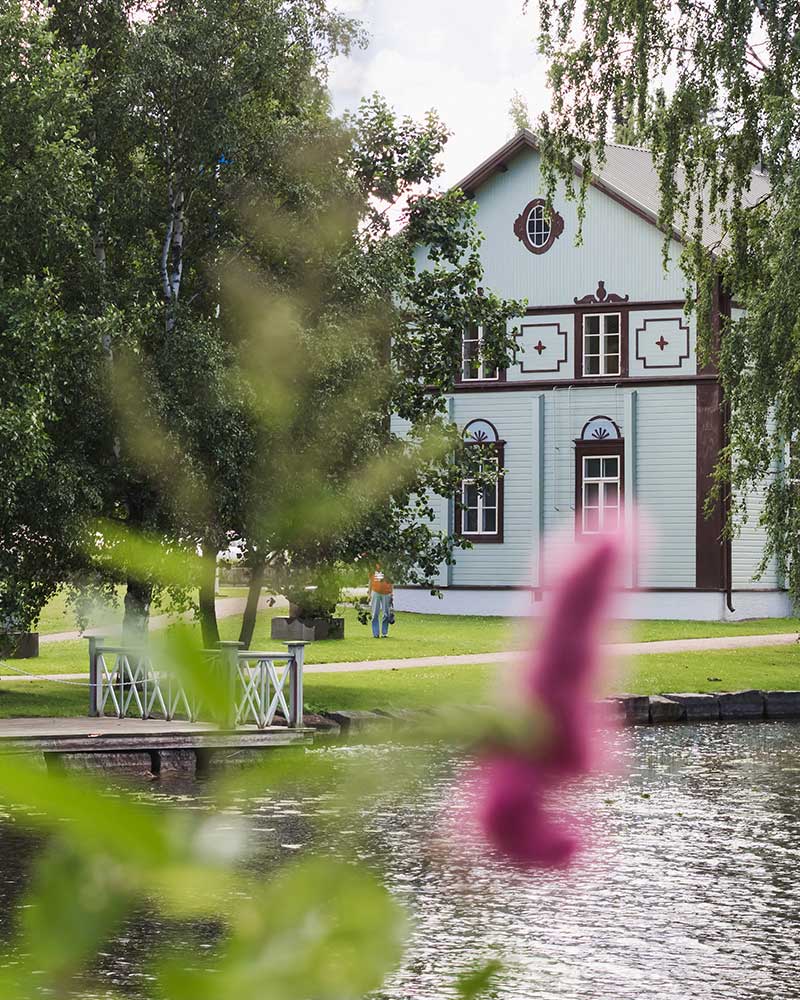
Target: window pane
x=612 y=364
x=612 y=323
x=591 y=495
x=471 y=370
x=471 y=332
x=591 y=345
x=490 y=495
x=471 y=520
x=591 y=519
x=591 y=325
x=490 y=520
x=591 y=365
x=611 y=518
x=610 y=468
x=490 y=373
x=470 y=495
x=611 y=495
x=612 y=345
x=591 y=468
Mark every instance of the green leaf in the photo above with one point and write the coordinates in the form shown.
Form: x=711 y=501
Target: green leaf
x=321 y=929
x=477 y=982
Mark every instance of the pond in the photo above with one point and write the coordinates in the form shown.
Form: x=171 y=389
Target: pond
x=690 y=887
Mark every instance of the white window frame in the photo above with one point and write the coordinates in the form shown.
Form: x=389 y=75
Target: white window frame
x=545 y=226
x=481 y=508
x=603 y=334
x=482 y=368
x=601 y=481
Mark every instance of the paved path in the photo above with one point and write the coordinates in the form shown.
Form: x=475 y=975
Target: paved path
x=619 y=649
x=227 y=607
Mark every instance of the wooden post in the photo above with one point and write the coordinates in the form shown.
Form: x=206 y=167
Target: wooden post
x=94 y=676
x=297 y=649
x=230 y=664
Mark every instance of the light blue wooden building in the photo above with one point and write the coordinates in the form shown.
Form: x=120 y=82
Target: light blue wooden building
x=605 y=407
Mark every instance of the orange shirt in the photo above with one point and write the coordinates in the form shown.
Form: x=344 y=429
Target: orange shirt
x=381 y=586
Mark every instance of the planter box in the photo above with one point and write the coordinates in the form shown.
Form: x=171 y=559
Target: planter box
x=308 y=629
x=19 y=645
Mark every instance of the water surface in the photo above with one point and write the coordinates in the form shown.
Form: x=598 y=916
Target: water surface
x=690 y=887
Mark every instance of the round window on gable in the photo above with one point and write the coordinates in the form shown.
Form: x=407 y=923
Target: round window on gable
x=536 y=228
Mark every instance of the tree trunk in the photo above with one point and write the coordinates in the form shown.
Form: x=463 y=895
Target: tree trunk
x=136 y=620
x=208 y=606
x=251 y=607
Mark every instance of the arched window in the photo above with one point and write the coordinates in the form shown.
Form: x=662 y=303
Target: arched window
x=479 y=507
x=599 y=477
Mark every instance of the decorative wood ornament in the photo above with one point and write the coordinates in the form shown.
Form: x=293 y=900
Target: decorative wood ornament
x=600 y=297
x=552 y=224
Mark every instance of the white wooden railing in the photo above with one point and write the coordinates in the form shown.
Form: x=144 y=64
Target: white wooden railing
x=128 y=683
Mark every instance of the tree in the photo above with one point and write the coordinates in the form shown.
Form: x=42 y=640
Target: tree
x=333 y=481
x=192 y=107
x=518 y=112
x=713 y=91
x=52 y=376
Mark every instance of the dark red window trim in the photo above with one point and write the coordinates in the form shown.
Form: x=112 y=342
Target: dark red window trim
x=479 y=383
x=624 y=312
x=585 y=449
x=497 y=449
x=521 y=226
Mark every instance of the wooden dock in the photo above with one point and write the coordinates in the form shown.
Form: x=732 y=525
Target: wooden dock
x=139 y=744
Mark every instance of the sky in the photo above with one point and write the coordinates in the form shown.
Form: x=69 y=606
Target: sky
x=463 y=58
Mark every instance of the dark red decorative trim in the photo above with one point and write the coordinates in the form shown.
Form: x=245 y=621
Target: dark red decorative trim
x=571 y=309
x=600 y=297
x=610 y=447
x=709 y=545
x=623 y=345
x=558 y=361
x=606 y=381
x=481 y=420
x=496 y=538
x=521 y=226
x=599 y=416
x=681 y=357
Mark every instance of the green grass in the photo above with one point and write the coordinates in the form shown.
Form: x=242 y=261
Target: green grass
x=774 y=668
x=58 y=616
x=418 y=636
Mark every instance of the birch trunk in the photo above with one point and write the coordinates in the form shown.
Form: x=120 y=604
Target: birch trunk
x=251 y=607
x=207 y=602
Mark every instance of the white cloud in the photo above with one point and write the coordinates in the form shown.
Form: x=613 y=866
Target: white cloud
x=462 y=57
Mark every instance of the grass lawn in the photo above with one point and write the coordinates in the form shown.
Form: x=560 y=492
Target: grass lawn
x=416 y=636
x=58 y=616
x=776 y=668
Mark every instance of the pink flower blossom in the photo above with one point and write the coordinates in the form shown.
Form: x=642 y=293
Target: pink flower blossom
x=517 y=784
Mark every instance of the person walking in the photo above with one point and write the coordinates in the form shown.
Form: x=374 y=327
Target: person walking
x=380 y=599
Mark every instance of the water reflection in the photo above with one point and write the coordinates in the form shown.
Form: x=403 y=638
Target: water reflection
x=689 y=888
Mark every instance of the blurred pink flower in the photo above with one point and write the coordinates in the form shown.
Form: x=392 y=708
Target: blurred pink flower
x=516 y=785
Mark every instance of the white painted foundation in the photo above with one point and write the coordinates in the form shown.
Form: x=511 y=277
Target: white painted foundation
x=683 y=605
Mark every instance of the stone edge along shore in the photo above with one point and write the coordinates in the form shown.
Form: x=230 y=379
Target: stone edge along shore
x=628 y=709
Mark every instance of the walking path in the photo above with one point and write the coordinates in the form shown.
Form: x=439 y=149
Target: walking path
x=619 y=649
x=226 y=607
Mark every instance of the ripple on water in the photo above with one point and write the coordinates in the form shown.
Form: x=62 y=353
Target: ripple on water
x=688 y=888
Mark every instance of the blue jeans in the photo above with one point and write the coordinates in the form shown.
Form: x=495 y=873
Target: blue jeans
x=381 y=605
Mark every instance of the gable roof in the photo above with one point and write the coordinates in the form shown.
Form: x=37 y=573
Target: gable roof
x=628 y=176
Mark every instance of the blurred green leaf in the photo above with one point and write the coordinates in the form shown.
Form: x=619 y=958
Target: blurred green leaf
x=477 y=982
x=321 y=929
x=76 y=901
x=88 y=820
